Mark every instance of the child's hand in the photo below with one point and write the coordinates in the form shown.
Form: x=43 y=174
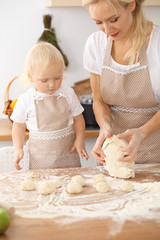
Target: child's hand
x=80 y=149
x=17 y=157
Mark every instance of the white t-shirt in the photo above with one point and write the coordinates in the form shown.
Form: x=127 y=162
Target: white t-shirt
x=94 y=53
x=24 y=111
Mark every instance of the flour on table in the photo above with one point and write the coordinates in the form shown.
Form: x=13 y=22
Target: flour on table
x=113 y=166
x=127 y=187
x=141 y=204
x=56 y=182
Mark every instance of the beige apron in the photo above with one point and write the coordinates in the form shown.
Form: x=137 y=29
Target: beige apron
x=49 y=147
x=132 y=102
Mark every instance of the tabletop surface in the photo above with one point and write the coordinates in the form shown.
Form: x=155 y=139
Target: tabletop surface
x=90 y=215
x=6 y=131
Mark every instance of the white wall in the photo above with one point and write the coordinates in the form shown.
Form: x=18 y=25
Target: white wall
x=21 y=24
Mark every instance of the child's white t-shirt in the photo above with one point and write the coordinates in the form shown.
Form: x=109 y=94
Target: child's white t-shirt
x=94 y=53
x=24 y=111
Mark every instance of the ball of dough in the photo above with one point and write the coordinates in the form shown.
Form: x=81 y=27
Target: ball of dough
x=56 y=182
x=28 y=185
x=127 y=187
x=79 y=179
x=74 y=187
x=113 y=166
x=46 y=187
x=102 y=187
x=99 y=178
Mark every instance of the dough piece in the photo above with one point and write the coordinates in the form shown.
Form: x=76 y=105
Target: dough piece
x=28 y=185
x=56 y=182
x=46 y=187
x=102 y=187
x=112 y=152
x=99 y=178
x=79 y=179
x=74 y=187
x=127 y=187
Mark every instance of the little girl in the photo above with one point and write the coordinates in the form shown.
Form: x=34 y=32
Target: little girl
x=51 y=112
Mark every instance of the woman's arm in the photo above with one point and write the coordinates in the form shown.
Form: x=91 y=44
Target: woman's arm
x=79 y=128
x=103 y=117
x=152 y=125
x=137 y=136
x=18 y=134
x=101 y=110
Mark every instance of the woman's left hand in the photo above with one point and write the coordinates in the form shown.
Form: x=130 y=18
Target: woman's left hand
x=135 y=137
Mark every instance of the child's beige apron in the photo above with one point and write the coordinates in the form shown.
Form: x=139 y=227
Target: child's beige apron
x=49 y=147
x=132 y=102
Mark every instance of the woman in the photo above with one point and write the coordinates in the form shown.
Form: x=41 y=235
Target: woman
x=124 y=63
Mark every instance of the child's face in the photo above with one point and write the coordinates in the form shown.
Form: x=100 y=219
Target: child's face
x=48 y=80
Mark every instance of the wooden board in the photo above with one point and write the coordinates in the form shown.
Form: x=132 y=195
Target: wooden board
x=140 y=226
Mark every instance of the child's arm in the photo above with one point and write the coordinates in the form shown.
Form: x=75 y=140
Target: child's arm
x=18 y=134
x=79 y=127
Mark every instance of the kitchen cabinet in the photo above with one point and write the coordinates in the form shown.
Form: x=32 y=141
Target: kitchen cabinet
x=76 y=3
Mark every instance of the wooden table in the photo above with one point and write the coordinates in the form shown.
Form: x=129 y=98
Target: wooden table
x=6 y=131
x=141 y=227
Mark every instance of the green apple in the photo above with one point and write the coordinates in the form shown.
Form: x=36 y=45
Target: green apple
x=4 y=220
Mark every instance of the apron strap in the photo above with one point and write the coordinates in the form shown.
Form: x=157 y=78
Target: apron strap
x=143 y=55
x=108 y=52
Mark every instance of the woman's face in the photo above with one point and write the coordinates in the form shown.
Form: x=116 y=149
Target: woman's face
x=115 y=21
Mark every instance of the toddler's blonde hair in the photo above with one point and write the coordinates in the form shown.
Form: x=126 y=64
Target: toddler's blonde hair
x=41 y=54
x=138 y=28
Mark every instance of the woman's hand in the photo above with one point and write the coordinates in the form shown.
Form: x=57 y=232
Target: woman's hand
x=17 y=157
x=97 y=151
x=135 y=137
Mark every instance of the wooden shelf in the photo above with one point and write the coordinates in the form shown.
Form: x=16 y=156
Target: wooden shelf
x=6 y=131
x=63 y=3
x=78 y=3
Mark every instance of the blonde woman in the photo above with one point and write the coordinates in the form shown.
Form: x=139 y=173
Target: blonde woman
x=51 y=112
x=123 y=59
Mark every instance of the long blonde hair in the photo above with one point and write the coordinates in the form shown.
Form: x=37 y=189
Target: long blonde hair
x=138 y=28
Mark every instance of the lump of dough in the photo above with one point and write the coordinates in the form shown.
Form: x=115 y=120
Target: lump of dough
x=113 y=166
x=56 y=182
x=79 y=179
x=127 y=187
x=99 y=178
x=102 y=187
x=74 y=187
x=28 y=185
x=46 y=187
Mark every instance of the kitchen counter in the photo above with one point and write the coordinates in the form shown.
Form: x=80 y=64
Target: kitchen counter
x=6 y=131
x=90 y=215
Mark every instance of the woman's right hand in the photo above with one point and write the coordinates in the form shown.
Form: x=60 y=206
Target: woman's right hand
x=18 y=155
x=97 y=151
